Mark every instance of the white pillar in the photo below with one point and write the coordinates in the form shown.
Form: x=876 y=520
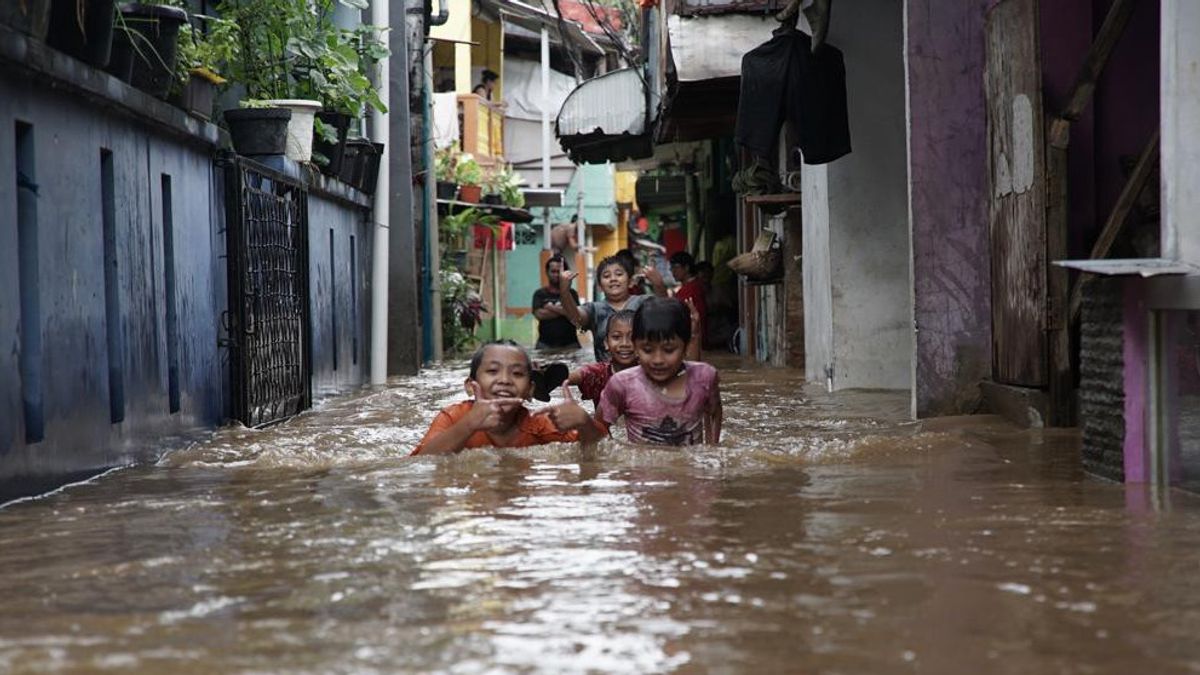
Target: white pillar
x=379 y=266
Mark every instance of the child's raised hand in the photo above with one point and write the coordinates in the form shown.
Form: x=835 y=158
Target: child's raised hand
x=694 y=314
x=652 y=275
x=567 y=415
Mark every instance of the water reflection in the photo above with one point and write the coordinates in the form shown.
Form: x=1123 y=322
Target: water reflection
x=828 y=535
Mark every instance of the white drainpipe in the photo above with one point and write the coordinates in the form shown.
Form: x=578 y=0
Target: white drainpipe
x=379 y=266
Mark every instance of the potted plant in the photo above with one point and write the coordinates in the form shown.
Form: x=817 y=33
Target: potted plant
x=469 y=176
x=264 y=64
x=330 y=65
x=507 y=186
x=202 y=57
x=444 y=160
x=257 y=129
x=148 y=34
x=82 y=29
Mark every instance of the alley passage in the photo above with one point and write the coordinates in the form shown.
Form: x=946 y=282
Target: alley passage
x=829 y=535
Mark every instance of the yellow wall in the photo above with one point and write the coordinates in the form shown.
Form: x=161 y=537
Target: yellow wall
x=458 y=27
x=625 y=186
x=489 y=52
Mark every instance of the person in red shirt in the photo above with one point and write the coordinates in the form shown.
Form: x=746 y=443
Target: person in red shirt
x=500 y=383
x=691 y=289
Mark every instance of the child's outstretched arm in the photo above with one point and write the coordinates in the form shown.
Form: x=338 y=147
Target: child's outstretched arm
x=656 y=281
x=570 y=308
x=714 y=414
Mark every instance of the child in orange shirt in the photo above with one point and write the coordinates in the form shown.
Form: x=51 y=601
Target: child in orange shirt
x=500 y=382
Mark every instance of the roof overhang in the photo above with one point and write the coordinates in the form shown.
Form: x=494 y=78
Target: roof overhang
x=706 y=66
x=534 y=19
x=605 y=119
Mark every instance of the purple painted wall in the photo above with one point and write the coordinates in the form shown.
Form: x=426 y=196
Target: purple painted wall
x=948 y=200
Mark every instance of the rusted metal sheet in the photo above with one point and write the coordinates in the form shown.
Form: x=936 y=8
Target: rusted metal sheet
x=1017 y=212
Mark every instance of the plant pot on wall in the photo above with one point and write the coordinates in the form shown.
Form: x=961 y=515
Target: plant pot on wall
x=352 y=161
x=153 y=35
x=446 y=189
x=198 y=94
x=258 y=131
x=91 y=43
x=31 y=17
x=370 y=157
x=470 y=193
x=300 y=128
x=334 y=152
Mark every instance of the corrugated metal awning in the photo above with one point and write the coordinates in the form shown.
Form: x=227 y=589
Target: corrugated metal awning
x=605 y=119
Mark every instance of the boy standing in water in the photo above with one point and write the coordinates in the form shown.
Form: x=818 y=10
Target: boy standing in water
x=500 y=383
x=665 y=400
x=594 y=316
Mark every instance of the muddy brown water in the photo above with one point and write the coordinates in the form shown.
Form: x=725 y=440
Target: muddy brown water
x=828 y=534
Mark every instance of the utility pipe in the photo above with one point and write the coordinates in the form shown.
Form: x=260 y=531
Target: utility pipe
x=545 y=106
x=433 y=246
x=382 y=213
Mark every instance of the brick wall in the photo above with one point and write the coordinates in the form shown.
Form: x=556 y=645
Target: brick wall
x=1101 y=385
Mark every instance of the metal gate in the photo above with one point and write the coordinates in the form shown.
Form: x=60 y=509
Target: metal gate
x=268 y=318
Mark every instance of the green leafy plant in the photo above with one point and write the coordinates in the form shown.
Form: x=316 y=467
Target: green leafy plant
x=330 y=65
x=456 y=226
x=462 y=311
x=444 y=160
x=467 y=171
x=506 y=183
x=207 y=53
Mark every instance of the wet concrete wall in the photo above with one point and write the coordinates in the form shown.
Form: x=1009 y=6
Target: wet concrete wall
x=111 y=283
x=113 y=274
x=339 y=266
x=947 y=164
x=859 y=321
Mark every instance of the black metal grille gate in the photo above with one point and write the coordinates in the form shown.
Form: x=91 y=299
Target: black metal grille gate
x=268 y=322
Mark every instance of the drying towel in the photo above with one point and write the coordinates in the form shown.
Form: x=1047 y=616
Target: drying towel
x=445 y=119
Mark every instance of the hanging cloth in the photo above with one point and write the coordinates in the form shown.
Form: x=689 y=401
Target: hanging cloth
x=783 y=79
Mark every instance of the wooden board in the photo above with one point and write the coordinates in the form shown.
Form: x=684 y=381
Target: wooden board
x=1017 y=213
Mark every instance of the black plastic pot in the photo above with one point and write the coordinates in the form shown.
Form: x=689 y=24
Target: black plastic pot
x=370 y=156
x=120 y=59
x=258 y=131
x=153 y=35
x=31 y=17
x=353 y=161
x=334 y=152
x=446 y=189
x=92 y=43
x=494 y=200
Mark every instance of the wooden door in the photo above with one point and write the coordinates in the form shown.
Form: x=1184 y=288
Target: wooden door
x=1017 y=213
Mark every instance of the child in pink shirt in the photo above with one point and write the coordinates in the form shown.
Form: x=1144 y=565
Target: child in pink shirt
x=665 y=400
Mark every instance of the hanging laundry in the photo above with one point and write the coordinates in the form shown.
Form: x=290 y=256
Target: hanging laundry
x=782 y=79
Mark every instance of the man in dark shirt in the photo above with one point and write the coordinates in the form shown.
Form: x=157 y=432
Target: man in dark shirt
x=555 y=330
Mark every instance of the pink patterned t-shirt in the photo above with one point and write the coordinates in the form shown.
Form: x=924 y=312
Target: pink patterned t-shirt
x=651 y=417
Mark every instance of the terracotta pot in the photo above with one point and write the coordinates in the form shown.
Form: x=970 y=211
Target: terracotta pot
x=470 y=193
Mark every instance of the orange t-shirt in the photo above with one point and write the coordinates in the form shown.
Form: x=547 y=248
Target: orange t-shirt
x=531 y=430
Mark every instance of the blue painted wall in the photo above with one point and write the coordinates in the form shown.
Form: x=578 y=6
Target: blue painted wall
x=68 y=135
x=72 y=113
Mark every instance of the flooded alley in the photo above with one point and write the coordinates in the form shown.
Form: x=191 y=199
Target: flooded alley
x=828 y=534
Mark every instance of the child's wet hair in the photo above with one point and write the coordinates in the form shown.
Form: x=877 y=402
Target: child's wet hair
x=477 y=357
x=659 y=319
x=614 y=260
x=623 y=316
